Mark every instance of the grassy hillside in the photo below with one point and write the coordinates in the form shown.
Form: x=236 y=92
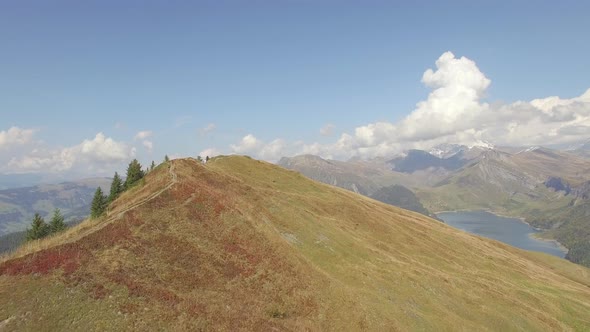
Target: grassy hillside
x=373 y=179
x=240 y=244
x=400 y=196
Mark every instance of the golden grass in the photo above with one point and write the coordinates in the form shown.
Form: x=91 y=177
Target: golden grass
x=240 y=244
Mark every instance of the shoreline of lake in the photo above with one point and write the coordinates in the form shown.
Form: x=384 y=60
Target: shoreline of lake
x=486 y=223
x=557 y=243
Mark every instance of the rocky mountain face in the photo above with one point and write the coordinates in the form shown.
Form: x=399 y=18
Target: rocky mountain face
x=416 y=160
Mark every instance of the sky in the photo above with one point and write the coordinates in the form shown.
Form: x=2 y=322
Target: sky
x=86 y=86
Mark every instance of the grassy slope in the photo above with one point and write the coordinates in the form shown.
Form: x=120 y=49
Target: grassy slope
x=242 y=244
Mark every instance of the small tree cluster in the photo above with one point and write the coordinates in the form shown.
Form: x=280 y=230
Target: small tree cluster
x=116 y=188
x=99 y=204
x=57 y=223
x=40 y=229
x=134 y=174
x=100 y=201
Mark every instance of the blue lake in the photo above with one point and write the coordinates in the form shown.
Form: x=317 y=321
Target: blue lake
x=508 y=230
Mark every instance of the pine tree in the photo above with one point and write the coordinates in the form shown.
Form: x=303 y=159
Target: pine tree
x=207 y=159
x=152 y=166
x=134 y=173
x=116 y=187
x=99 y=204
x=57 y=222
x=166 y=159
x=39 y=228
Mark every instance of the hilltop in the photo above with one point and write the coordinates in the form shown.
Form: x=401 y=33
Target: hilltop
x=240 y=244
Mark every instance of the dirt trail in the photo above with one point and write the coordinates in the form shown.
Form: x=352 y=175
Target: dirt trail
x=111 y=217
x=174 y=180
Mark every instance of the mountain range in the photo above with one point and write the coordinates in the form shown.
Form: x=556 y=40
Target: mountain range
x=18 y=205
x=241 y=244
x=547 y=187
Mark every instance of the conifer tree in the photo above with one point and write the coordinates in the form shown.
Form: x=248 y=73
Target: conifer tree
x=207 y=159
x=166 y=159
x=99 y=204
x=39 y=228
x=134 y=173
x=152 y=166
x=57 y=222
x=116 y=187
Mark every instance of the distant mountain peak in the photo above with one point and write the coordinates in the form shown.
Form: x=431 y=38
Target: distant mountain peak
x=482 y=144
x=447 y=150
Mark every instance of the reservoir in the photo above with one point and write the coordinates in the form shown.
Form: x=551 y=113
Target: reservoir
x=508 y=230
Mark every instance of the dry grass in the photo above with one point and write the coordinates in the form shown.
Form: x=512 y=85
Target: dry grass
x=241 y=244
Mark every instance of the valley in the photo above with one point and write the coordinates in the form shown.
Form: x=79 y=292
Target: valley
x=18 y=205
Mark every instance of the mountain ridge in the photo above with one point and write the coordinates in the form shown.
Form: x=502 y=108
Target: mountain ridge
x=240 y=244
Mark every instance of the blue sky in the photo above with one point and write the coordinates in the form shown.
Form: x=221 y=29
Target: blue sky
x=264 y=77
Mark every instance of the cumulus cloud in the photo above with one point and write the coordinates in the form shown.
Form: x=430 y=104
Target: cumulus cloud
x=142 y=136
x=248 y=144
x=327 y=130
x=15 y=136
x=91 y=154
x=454 y=103
x=455 y=111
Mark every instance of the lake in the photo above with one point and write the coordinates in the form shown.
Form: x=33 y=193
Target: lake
x=508 y=230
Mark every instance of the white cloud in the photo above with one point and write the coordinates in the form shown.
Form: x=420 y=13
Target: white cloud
x=252 y=146
x=15 y=136
x=248 y=144
x=454 y=112
x=143 y=135
x=207 y=129
x=101 y=148
x=453 y=105
x=148 y=145
x=96 y=154
x=273 y=151
x=327 y=130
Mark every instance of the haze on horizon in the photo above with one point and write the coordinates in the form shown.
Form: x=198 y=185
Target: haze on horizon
x=88 y=86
